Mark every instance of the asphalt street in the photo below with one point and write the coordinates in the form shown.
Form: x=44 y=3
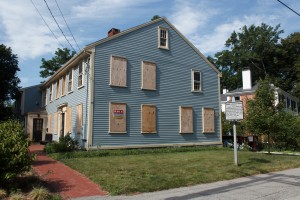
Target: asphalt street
x=277 y=185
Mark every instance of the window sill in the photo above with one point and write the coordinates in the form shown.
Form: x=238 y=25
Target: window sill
x=197 y=91
x=118 y=86
x=149 y=132
x=63 y=95
x=79 y=87
x=186 y=133
x=165 y=48
x=117 y=132
x=149 y=89
x=70 y=92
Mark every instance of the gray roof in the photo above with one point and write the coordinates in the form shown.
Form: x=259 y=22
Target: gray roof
x=223 y=97
x=240 y=91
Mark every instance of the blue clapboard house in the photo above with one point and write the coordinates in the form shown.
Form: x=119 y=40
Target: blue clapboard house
x=147 y=86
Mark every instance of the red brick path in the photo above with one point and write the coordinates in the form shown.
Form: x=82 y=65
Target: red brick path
x=62 y=179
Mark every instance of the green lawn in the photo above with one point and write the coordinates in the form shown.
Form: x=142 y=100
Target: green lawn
x=146 y=172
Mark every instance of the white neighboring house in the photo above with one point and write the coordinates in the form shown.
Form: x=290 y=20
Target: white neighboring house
x=248 y=92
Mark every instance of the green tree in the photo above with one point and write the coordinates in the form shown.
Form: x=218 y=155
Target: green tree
x=8 y=80
x=262 y=114
x=290 y=67
x=14 y=156
x=155 y=17
x=256 y=47
x=49 y=67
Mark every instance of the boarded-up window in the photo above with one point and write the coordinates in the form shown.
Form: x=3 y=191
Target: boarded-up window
x=55 y=123
x=118 y=71
x=57 y=90
x=149 y=119
x=79 y=119
x=69 y=120
x=208 y=116
x=117 y=118
x=49 y=124
x=148 y=75
x=186 y=119
x=63 y=86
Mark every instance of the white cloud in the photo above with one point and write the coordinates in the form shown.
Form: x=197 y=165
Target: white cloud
x=189 y=16
x=25 y=31
x=214 y=41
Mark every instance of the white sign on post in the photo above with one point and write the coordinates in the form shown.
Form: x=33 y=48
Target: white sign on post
x=234 y=111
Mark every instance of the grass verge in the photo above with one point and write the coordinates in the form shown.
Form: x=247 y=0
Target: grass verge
x=160 y=170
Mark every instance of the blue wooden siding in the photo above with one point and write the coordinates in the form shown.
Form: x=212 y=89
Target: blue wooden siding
x=32 y=99
x=173 y=89
x=74 y=98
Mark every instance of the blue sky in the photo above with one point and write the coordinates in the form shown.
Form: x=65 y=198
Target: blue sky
x=206 y=23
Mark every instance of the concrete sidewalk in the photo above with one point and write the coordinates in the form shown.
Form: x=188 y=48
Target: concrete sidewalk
x=277 y=185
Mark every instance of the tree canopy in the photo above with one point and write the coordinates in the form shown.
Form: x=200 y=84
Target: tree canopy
x=263 y=50
x=8 y=80
x=49 y=67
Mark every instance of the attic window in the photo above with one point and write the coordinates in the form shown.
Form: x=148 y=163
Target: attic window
x=163 y=38
x=196 y=81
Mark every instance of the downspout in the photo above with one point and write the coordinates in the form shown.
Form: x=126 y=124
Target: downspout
x=84 y=139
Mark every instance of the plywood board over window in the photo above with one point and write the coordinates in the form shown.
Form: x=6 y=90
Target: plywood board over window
x=118 y=71
x=55 y=123
x=79 y=118
x=208 y=116
x=186 y=119
x=148 y=75
x=149 y=119
x=69 y=120
x=49 y=124
x=117 y=117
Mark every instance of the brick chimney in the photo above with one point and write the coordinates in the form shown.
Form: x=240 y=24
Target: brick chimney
x=113 y=32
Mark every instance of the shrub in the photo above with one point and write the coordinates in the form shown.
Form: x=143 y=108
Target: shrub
x=16 y=196
x=14 y=154
x=65 y=144
x=3 y=194
x=39 y=194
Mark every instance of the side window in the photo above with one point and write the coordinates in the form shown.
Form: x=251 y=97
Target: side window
x=63 y=86
x=196 y=81
x=70 y=81
x=117 y=117
x=148 y=75
x=163 y=38
x=208 y=117
x=57 y=89
x=50 y=93
x=80 y=74
x=149 y=119
x=118 y=71
x=45 y=97
x=186 y=119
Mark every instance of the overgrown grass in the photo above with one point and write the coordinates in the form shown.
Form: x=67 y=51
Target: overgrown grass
x=158 y=169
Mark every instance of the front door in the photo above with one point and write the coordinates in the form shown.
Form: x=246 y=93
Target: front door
x=62 y=130
x=37 y=130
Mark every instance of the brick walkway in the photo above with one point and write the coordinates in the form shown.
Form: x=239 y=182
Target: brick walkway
x=62 y=179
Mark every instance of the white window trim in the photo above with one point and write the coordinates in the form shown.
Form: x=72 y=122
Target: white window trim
x=192 y=80
x=51 y=93
x=45 y=98
x=57 y=91
x=62 y=85
x=81 y=74
x=72 y=81
x=167 y=38
x=180 y=122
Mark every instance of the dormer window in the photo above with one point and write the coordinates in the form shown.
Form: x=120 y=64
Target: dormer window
x=163 y=38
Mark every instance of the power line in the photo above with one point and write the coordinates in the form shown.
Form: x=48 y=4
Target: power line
x=288 y=7
x=59 y=26
x=46 y=23
x=67 y=24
